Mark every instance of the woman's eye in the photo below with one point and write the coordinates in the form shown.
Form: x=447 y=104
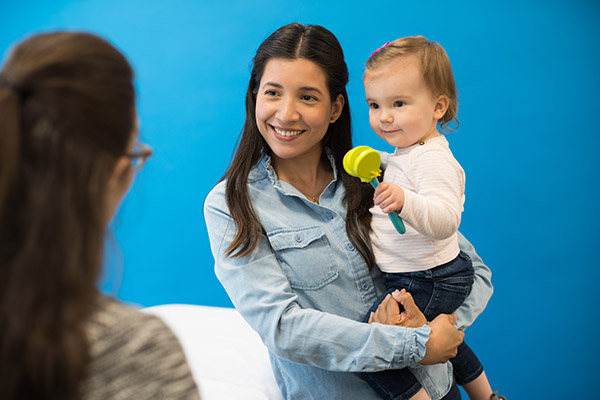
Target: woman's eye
x=308 y=97
x=270 y=93
x=398 y=103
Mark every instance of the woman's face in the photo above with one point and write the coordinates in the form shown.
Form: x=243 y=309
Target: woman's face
x=122 y=175
x=294 y=108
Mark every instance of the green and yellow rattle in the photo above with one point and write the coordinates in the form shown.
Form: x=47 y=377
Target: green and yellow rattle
x=363 y=162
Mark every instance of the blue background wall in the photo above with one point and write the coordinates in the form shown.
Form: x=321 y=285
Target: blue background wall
x=527 y=74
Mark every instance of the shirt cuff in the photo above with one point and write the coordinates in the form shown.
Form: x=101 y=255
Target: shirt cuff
x=414 y=349
x=421 y=338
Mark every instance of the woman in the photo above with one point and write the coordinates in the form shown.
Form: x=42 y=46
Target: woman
x=289 y=233
x=68 y=154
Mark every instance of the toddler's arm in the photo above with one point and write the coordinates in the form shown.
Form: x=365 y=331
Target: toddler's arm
x=434 y=207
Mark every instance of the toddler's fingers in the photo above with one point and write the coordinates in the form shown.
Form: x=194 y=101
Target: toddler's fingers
x=387 y=209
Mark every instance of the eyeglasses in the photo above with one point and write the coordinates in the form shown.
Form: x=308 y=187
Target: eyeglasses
x=141 y=153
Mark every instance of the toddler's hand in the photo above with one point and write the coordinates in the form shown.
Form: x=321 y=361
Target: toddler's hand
x=389 y=197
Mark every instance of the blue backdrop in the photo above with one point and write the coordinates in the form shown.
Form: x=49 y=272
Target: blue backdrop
x=527 y=74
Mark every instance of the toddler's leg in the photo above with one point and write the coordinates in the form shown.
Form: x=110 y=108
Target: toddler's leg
x=479 y=388
x=469 y=373
x=421 y=395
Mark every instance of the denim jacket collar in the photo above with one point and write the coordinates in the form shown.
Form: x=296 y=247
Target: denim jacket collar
x=264 y=169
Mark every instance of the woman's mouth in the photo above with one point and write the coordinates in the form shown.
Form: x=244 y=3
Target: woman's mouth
x=287 y=132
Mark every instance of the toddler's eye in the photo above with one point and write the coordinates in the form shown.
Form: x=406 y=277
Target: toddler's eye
x=398 y=103
x=374 y=106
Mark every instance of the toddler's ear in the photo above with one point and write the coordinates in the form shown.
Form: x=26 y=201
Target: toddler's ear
x=441 y=106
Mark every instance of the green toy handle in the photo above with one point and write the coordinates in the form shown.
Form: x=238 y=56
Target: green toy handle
x=396 y=220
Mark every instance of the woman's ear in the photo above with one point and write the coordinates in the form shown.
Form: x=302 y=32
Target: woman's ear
x=441 y=106
x=336 y=108
x=121 y=174
x=118 y=184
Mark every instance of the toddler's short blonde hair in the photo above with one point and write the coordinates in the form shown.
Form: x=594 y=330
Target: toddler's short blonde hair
x=435 y=67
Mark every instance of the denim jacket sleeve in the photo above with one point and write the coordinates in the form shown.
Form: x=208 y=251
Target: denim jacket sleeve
x=262 y=293
x=482 y=289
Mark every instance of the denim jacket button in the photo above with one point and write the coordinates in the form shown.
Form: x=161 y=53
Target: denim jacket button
x=350 y=247
x=328 y=215
x=298 y=238
x=365 y=286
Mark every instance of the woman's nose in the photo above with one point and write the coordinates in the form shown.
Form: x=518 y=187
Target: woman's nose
x=288 y=110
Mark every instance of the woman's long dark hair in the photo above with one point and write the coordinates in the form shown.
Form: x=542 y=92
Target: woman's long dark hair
x=320 y=46
x=66 y=115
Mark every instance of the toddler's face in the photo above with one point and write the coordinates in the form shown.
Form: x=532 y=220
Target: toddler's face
x=402 y=109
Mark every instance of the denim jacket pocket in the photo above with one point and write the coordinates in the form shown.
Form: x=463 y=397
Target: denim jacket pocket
x=305 y=257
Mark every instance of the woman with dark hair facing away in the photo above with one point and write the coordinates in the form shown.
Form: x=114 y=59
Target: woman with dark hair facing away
x=289 y=230
x=68 y=155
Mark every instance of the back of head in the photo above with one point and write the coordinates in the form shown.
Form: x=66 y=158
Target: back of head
x=435 y=66
x=66 y=115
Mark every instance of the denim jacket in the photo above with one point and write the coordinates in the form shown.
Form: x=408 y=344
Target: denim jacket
x=305 y=288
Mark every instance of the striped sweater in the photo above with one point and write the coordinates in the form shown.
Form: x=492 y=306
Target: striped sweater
x=134 y=356
x=434 y=189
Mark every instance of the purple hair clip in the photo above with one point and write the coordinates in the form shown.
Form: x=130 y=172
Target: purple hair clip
x=379 y=49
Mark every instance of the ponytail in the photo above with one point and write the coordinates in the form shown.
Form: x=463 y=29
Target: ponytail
x=43 y=349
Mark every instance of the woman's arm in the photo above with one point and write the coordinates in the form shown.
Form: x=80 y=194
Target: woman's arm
x=262 y=294
x=482 y=289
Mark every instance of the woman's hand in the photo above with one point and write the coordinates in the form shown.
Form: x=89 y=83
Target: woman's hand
x=389 y=313
x=411 y=317
x=443 y=341
x=444 y=338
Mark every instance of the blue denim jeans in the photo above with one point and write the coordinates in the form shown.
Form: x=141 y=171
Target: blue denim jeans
x=440 y=290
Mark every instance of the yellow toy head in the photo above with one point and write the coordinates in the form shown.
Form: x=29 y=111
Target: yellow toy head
x=363 y=162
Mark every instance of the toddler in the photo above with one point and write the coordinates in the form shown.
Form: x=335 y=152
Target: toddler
x=410 y=89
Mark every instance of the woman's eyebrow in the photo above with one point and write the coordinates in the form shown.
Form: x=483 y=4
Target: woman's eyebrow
x=303 y=88
x=311 y=89
x=277 y=85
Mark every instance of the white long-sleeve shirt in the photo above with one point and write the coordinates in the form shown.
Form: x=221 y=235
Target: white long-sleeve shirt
x=434 y=188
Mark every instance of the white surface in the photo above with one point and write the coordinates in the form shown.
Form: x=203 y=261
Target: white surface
x=227 y=358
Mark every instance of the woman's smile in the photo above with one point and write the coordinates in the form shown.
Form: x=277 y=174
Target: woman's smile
x=286 y=132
